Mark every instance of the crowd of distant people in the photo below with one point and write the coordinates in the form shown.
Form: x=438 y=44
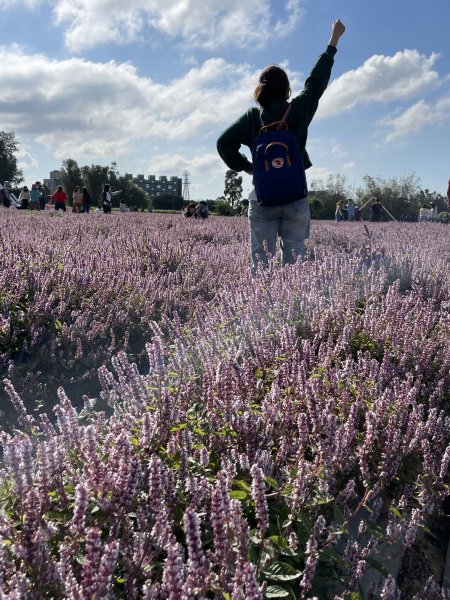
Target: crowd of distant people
x=347 y=211
x=428 y=212
x=196 y=211
x=38 y=198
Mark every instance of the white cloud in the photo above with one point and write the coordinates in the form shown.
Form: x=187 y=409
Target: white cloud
x=5 y=4
x=317 y=175
x=348 y=165
x=27 y=160
x=417 y=117
x=337 y=151
x=326 y=148
x=380 y=79
x=205 y=25
x=203 y=168
x=179 y=162
x=100 y=109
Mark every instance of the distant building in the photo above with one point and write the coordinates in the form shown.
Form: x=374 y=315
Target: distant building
x=152 y=185
x=158 y=186
x=53 y=181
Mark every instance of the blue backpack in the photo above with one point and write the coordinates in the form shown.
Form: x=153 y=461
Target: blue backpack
x=278 y=170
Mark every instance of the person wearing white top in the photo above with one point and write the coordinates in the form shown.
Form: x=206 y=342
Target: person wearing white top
x=107 y=197
x=424 y=214
x=433 y=212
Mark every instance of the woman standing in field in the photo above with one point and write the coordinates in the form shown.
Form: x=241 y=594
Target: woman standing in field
x=35 y=196
x=77 y=200
x=86 y=200
x=24 y=198
x=107 y=197
x=291 y=221
x=59 y=198
x=338 y=215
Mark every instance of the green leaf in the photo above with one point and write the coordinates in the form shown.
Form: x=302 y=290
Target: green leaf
x=281 y=571
x=396 y=512
x=377 y=566
x=332 y=554
x=199 y=431
x=238 y=494
x=338 y=515
x=271 y=481
x=242 y=484
x=178 y=427
x=275 y=591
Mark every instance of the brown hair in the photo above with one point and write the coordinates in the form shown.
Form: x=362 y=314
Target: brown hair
x=273 y=85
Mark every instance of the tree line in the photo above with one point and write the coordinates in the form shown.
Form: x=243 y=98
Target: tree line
x=401 y=196
x=94 y=178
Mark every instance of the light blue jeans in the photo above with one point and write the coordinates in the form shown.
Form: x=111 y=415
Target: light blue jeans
x=291 y=223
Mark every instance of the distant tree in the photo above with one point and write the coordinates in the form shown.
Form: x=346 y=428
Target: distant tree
x=133 y=196
x=323 y=196
x=223 y=208
x=399 y=195
x=167 y=202
x=9 y=170
x=427 y=197
x=70 y=176
x=94 y=178
x=233 y=187
x=114 y=178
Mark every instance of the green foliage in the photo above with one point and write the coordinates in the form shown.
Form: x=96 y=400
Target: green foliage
x=94 y=178
x=9 y=170
x=132 y=195
x=223 y=208
x=233 y=187
x=70 y=176
x=323 y=197
x=167 y=202
x=362 y=342
x=401 y=196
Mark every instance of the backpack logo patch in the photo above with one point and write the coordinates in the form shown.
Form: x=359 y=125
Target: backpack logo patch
x=277 y=163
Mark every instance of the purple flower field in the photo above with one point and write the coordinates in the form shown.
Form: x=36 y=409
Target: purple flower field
x=257 y=438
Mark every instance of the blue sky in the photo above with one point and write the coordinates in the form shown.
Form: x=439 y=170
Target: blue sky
x=152 y=84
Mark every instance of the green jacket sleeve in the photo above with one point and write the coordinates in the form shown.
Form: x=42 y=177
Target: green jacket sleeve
x=231 y=140
x=315 y=85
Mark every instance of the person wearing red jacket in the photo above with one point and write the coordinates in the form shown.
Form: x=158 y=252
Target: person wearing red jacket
x=60 y=198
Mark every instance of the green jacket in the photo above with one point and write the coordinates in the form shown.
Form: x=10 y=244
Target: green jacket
x=303 y=107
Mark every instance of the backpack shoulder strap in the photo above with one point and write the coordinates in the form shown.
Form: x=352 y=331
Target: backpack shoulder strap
x=281 y=124
x=284 y=117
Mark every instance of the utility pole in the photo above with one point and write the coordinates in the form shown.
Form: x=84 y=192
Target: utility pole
x=186 y=182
